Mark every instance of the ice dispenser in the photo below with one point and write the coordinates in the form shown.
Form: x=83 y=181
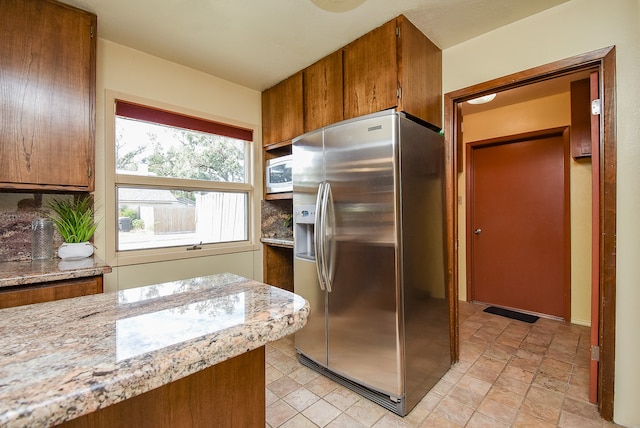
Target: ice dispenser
x=304 y=229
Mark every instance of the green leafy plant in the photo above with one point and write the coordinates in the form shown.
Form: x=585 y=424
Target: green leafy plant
x=73 y=219
x=288 y=220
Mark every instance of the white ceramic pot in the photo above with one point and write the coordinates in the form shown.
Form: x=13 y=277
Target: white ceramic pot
x=75 y=251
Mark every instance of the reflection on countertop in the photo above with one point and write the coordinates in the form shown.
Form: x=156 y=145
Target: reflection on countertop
x=67 y=358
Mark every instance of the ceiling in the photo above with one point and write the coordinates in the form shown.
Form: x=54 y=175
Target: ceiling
x=258 y=43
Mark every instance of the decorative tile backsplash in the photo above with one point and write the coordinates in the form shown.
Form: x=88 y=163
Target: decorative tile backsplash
x=277 y=219
x=17 y=210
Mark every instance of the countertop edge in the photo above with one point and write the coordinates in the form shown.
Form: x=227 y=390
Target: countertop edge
x=27 y=273
x=278 y=242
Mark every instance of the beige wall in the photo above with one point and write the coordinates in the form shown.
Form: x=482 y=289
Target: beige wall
x=127 y=71
x=544 y=113
x=569 y=29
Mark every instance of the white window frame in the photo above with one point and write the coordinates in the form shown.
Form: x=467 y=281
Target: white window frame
x=112 y=180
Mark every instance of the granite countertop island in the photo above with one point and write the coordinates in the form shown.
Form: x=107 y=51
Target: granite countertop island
x=65 y=359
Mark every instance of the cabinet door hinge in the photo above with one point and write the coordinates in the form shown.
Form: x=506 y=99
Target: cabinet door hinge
x=595 y=107
x=397 y=31
x=89 y=172
x=91 y=32
x=399 y=92
x=595 y=353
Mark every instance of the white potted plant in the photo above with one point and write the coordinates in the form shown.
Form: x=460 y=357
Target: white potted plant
x=75 y=223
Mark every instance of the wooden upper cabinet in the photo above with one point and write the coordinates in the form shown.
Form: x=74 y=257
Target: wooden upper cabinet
x=394 y=65
x=323 y=92
x=580 y=118
x=282 y=117
x=47 y=92
x=420 y=74
x=371 y=72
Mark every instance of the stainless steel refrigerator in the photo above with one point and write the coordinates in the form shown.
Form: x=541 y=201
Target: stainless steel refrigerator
x=368 y=203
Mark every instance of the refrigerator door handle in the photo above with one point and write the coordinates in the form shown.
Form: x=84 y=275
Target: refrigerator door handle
x=328 y=256
x=317 y=240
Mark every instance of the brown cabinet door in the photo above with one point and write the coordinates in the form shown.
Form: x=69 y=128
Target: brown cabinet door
x=282 y=117
x=420 y=74
x=371 y=72
x=323 y=92
x=48 y=292
x=47 y=87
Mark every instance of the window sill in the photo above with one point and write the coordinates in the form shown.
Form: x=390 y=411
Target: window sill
x=126 y=258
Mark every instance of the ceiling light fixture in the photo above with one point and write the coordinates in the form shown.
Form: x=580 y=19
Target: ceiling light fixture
x=482 y=100
x=337 y=5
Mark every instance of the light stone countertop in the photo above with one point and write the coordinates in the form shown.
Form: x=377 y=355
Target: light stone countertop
x=287 y=243
x=25 y=273
x=62 y=359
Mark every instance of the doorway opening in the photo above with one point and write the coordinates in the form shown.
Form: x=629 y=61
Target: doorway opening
x=603 y=222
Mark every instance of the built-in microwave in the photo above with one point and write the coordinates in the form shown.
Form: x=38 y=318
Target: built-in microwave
x=279 y=175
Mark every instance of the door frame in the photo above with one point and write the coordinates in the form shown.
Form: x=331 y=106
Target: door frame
x=605 y=61
x=561 y=132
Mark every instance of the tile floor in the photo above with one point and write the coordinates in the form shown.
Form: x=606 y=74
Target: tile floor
x=510 y=374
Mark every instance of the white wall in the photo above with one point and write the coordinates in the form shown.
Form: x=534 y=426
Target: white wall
x=569 y=29
x=127 y=71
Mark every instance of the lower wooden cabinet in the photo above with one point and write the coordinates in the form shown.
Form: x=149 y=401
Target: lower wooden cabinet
x=278 y=267
x=228 y=395
x=49 y=291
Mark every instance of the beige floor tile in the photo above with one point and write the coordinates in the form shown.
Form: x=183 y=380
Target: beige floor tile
x=497 y=411
x=466 y=397
x=298 y=421
x=366 y=412
x=478 y=420
x=506 y=397
x=303 y=375
x=279 y=412
x=321 y=386
x=517 y=373
x=543 y=380
x=301 y=398
x=345 y=421
x=283 y=386
x=417 y=415
x=510 y=373
x=431 y=400
x=454 y=411
x=569 y=420
x=524 y=420
x=391 y=421
x=342 y=398
x=580 y=408
x=321 y=413
x=437 y=421
x=272 y=374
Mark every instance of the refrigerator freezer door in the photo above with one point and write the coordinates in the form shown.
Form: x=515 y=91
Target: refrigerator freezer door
x=364 y=342
x=308 y=179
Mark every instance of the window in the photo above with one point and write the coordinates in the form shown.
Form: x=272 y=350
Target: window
x=180 y=181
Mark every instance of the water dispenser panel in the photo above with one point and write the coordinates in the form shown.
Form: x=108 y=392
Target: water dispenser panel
x=303 y=232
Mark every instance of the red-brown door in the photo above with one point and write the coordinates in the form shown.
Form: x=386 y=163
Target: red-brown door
x=519 y=222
